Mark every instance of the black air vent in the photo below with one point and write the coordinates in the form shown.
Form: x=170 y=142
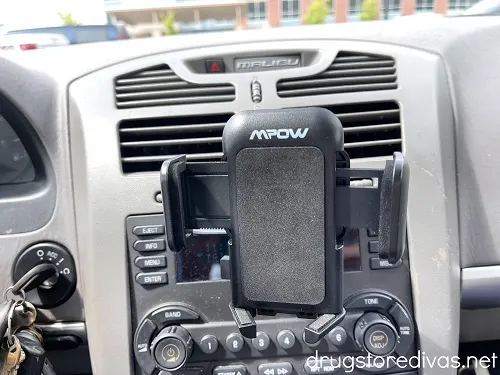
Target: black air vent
x=349 y=72
x=146 y=143
x=160 y=86
x=370 y=129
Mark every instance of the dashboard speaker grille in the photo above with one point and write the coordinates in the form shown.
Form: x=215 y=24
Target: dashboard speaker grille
x=349 y=72
x=160 y=86
x=370 y=130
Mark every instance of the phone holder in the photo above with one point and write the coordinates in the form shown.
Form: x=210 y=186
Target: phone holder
x=284 y=197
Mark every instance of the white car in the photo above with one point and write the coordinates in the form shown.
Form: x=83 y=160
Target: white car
x=25 y=42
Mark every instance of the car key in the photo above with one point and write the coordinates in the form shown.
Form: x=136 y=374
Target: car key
x=15 y=356
x=23 y=316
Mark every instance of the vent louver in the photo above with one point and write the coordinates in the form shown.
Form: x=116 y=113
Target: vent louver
x=160 y=86
x=370 y=130
x=349 y=72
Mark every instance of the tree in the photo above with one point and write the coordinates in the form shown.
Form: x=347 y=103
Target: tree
x=169 y=23
x=369 y=10
x=67 y=18
x=317 y=12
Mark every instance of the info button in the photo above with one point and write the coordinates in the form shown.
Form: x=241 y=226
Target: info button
x=149 y=245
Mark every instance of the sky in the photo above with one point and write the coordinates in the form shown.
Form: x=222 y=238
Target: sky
x=20 y=14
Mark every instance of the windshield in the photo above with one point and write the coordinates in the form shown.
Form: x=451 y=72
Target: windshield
x=87 y=21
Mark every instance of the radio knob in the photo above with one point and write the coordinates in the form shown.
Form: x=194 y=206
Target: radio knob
x=376 y=334
x=171 y=348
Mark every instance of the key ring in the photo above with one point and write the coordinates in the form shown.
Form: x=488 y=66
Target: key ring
x=10 y=338
x=10 y=295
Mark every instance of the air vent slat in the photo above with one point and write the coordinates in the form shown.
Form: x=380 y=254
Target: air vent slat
x=356 y=72
x=370 y=130
x=355 y=58
x=195 y=91
x=362 y=64
x=349 y=72
x=192 y=128
x=160 y=86
x=176 y=101
x=363 y=116
x=314 y=83
x=156 y=73
x=337 y=90
x=152 y=87
x=373 y=143
x=172 y=142
x=145 y=80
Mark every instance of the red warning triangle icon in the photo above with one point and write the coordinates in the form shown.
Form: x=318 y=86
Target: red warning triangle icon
x=214 y=68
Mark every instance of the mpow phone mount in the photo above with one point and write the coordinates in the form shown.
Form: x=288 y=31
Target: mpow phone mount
x=284 y=197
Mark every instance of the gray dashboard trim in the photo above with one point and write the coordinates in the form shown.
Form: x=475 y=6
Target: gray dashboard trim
x=50 y=215
x=104 y=197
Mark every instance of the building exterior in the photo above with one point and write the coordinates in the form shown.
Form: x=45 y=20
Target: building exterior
x=144 y=16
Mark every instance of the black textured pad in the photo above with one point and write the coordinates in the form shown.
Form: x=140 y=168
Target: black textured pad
x=280 y=208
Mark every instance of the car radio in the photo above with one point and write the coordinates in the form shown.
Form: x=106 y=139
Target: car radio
x=275 y=260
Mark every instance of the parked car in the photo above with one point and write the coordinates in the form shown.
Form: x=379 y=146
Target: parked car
x=81 y=33
x=484 y=7
x=30 y=41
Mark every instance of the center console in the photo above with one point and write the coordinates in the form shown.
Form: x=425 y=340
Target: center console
x=182 y=302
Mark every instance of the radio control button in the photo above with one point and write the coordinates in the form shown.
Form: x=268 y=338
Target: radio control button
x=321 y=367
x=148 y=230
x=282 y=368
x=155 y=261
x=370 y=301
x=338 y=336
x=382 y=264
x=173 y=314
x=209 y=344
x=372 y=233
x=261 y=341
x=373 y=247
x=150 y=245
x=152 y=278
x=286 y=339
x=230 y=370
x=235 y=342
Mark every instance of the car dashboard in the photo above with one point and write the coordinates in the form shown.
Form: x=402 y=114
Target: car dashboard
x=96 y=121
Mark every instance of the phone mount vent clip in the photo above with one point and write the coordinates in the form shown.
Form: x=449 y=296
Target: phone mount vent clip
x=283 y=194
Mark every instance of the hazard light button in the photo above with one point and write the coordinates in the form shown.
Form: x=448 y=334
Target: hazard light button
x=230 y=370
x=215 y=66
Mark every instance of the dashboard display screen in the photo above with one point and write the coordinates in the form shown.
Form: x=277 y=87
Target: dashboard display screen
x=200 y=260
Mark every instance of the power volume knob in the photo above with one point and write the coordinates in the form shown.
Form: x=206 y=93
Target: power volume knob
x=376 y=334
x=171 y=348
